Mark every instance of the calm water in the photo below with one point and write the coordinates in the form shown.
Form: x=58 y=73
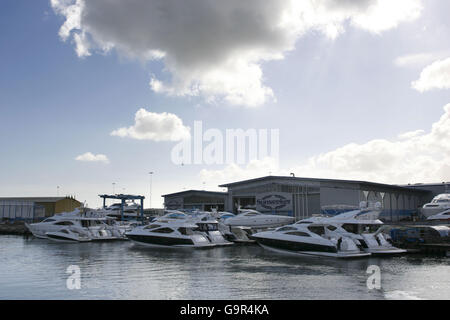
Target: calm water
x=36 y=269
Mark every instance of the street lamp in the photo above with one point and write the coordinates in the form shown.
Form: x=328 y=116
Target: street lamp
x=114 y=187
x=57 y=191
x=150 y=198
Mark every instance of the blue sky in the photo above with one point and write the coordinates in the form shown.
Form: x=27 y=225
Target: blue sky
x=329 y=93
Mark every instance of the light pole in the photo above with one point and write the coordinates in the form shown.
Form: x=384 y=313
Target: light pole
x=114 y=187
x=57 y=191
x=150 y=198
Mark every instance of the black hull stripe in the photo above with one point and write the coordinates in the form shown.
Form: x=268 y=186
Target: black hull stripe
x=61 y=238
x=163 y=241
x=295 y=246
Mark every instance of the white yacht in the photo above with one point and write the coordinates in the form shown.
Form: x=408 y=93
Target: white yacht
x=179 y=234
x=94 y=226
x=443 y=216
x=205 y=222
x=254 y=219
x=439 y=204
x=360 y=226
x=310 y=239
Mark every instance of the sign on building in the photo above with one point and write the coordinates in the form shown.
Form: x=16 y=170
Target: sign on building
x=174 y=203
x=274 y=201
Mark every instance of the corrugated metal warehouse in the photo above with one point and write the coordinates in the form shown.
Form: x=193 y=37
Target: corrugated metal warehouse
x=35 y=208
x=196 y=199
x=304 y=197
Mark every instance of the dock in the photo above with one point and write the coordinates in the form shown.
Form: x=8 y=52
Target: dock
x=16 y=228
x=440 y=249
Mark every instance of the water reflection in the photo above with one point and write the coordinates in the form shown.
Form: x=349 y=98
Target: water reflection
x=36 y=269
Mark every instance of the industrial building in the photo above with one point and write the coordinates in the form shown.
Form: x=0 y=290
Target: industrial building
x=196 y=199
x=304 y=197
x=433 y=188
x=35 y=208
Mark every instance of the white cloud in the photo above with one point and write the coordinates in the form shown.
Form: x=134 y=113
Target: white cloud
x=215 y=49
x=155 y=126
x=434 y=76
x=411 y=134
x=415 y=60
x=418 y=156
x=90 y=157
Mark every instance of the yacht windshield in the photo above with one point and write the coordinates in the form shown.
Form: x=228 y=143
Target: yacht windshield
x=352 y=228
x=152 y=226
x=371 y=228
x=249 y=214
x=186 y=231
x=358 y=229
x=163 y=230
x=176 y=216
x=320 y=230
x=282 y=229
x=298 y=233
x=64 y=223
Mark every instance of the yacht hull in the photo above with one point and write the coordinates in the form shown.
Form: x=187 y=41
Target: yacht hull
x=165 y=242
x=294 y=246
x=317 y=253
x=385 y=251
x=59 y=238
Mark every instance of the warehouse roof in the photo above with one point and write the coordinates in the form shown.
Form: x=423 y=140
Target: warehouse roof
x=211 y=193
x=301 y=179
x=35 y=199
x=418 y=185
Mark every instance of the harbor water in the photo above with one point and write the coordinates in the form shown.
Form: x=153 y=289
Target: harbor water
x=31 y=268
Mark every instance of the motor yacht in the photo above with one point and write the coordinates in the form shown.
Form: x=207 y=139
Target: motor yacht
x=310 y=239
x=440 y=203
x=360 y=226
x=205 y=221
x=96 y=227
x=254 y=219
x=180 y=234
x=443 y=216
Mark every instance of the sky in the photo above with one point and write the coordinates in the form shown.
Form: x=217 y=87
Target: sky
x=94 y=95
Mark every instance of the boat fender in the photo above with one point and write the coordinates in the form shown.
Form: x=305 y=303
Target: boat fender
x=339 y=242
